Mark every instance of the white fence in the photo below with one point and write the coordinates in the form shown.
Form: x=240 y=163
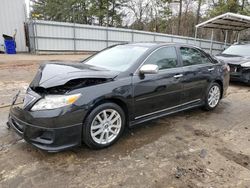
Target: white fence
x=12 y=17
x=49 y=36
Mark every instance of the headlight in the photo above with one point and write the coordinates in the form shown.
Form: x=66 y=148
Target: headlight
x=55 y=101
x=247 y=64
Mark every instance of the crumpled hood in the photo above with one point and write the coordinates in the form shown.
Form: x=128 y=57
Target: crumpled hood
x=57 y=73
x=231 y=59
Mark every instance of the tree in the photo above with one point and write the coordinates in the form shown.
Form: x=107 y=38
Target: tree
x=102 y=12
x=138 y=11
x=198 y=12
x=179 y=17
x=116 y=13
x=148 y=15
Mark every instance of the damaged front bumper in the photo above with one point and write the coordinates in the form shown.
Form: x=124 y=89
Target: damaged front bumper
x=240 y=74
x=51 y=130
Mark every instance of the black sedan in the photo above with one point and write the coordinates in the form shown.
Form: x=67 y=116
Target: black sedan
x=237 y=57
x=91 y=102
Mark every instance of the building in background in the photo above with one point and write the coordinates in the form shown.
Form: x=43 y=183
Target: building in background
x=12 y=17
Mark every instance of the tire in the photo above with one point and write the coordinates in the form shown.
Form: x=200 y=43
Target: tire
x=213 y=93
x=100 y=130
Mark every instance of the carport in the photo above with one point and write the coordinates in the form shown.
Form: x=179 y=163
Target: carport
x=227 y=22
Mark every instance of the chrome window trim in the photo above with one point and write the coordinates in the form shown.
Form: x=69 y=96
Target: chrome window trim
x=137 y=70
x=199 y=65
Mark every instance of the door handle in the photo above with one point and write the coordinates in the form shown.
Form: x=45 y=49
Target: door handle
x=211 y=69
x=178 y=75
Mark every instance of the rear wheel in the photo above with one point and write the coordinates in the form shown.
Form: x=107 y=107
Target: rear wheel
x=103 y=126
x=213 y=96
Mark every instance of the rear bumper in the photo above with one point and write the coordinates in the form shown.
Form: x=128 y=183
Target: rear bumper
x=51 y=137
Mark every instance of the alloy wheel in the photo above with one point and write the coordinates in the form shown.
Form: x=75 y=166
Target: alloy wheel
x=213 y=96
x=106 y=126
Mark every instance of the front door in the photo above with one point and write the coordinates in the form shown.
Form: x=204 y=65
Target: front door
x=155 y=93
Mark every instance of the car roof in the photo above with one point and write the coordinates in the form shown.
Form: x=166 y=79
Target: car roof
x=157 y=44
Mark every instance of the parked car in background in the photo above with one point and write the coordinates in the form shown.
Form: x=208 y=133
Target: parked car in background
x=238 y=58
x=94 y=100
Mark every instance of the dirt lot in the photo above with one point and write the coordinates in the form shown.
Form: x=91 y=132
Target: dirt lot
x=190 y=149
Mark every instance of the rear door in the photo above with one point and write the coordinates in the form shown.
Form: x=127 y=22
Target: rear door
x=154 y=93
x=198 y=72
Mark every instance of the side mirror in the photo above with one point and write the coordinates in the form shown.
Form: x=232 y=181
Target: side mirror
x=149 y=69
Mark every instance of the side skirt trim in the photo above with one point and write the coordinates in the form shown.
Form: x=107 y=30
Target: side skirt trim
x=133 y=123
x=138 y=117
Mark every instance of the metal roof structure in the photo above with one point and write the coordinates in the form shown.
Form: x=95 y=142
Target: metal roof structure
x=228 y=22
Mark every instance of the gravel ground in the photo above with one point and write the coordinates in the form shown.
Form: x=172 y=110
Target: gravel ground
x=189 y=149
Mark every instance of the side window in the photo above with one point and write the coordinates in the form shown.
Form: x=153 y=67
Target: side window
x=191 y=56
x=165 y=58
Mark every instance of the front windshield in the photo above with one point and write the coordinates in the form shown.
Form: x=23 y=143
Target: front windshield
x=240 y=50
x=118 y=58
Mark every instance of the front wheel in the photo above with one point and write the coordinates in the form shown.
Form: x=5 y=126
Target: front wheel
x=213 y=96
x=103 y=126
